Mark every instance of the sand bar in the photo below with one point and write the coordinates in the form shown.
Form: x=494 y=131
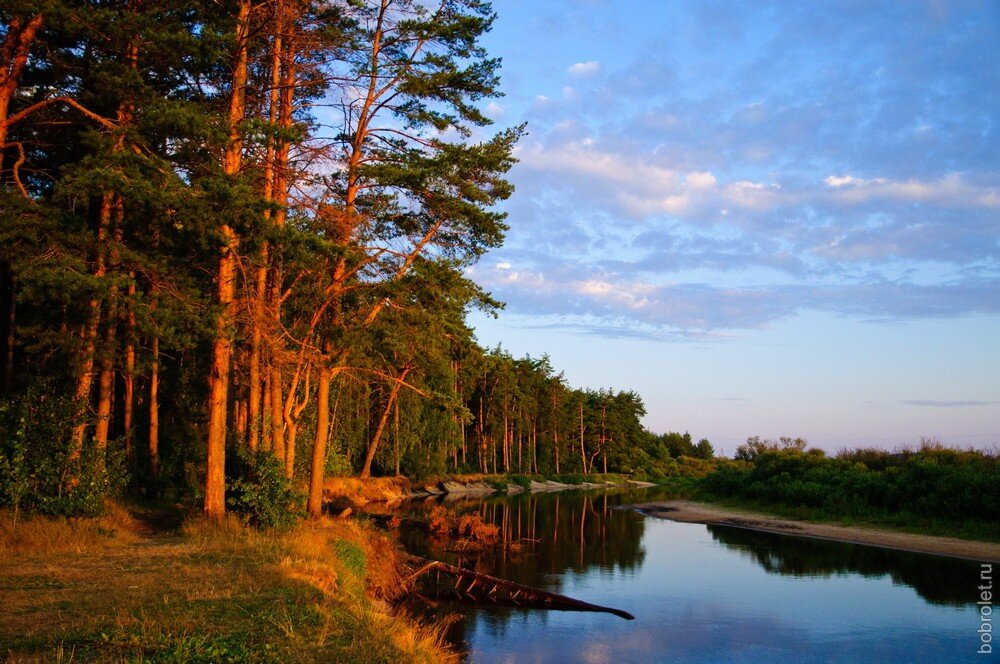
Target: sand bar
x=687 y=511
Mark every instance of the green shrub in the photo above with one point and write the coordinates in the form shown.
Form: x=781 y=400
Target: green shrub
x=572 y=478
x=931 y=482
x=337 y=464
x=260 y=492
x=522 y=481
x=40 y=469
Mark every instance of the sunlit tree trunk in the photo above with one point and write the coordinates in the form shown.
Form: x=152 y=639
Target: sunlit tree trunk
x=154 y=411
x=277 y=417
x=128 y=407
x=215 y=478
x=85 y=369
x=17 y=43
x=316 y=475
x=366 y=470
x=106 y=380
x=257 y=394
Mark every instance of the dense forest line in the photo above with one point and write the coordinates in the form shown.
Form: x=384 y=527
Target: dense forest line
x=233 y=247
x=931 y=487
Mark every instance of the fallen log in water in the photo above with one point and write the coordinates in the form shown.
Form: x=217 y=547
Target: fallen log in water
x=483 y=587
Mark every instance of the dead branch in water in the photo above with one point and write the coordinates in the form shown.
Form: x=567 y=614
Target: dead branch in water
x=483 y=587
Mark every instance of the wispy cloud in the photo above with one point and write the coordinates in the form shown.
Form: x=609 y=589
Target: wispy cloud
x=691 y=191
x=946 y=404
x=584 y=68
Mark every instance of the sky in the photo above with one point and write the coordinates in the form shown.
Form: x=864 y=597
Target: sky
x=767 y=218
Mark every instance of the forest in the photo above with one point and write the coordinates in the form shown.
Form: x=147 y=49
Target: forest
x=930 y=488
x=233 y=248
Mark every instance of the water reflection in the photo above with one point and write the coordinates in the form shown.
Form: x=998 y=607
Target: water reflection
x=939 y=580
x=700 y=594
x=552 y=534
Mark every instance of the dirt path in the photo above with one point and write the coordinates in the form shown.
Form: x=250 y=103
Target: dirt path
x=691 y=512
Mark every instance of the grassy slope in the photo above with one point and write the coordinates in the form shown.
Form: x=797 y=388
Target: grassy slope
x=120 y=588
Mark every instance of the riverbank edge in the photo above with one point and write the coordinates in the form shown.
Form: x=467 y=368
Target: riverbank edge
x=351 y=491
x=688 y=511
x=144 y=582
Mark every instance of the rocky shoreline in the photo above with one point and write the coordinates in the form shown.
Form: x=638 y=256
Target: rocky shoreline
x=396 y=489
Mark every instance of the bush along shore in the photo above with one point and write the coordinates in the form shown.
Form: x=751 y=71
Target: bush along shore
x=931 y=489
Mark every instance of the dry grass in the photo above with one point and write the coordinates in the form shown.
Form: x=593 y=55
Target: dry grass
x=43 y=534
x=373 y=489
x=204 y=593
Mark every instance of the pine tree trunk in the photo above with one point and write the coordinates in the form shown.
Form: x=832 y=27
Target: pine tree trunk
x=366 y=470
x=215 y=476
x=129 y=397
x=315 y=503
x=258 y=392
x=85 y=371
x=277 y=416
x=395 y=438
x=555 y=446
x=17 y=42
x=106 y=380
x=265 y=413
x=154 y=412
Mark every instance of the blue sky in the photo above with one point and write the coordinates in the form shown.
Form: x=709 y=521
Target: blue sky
x=767 y=218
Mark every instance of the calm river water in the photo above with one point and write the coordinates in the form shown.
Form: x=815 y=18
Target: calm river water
x=703 y=593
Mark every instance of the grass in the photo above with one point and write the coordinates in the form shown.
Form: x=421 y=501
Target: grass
x=115 y=589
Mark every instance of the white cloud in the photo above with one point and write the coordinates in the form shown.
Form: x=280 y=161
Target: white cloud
x=840 y=181
x=495 y=110
x=950 y=191
x=700 y=180
x=584 y=68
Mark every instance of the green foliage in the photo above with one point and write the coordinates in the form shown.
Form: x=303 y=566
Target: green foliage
x=499 y=484
x=337 y=464
x=932 y=482
x=352 y=557
x=522 y=481
x=39 y=468
x=260 y=492
x=571 y=478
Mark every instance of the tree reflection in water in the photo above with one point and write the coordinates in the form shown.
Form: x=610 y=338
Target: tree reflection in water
x=553 y=536
x=938 y=579
x=563 y=541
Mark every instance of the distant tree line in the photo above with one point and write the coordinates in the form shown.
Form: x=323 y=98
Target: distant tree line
x=233 y=240
x=907 y=486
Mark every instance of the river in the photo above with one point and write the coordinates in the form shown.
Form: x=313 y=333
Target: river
x=701 y=593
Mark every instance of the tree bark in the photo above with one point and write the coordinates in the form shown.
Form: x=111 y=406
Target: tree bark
x=366 y=470
x=106 y=379
x=257 y=394
x=129 y=379
x=85 y=371
x=154 y=412
x=314 y=505
x=13 y=57
x=222 y=347
x=277 y=416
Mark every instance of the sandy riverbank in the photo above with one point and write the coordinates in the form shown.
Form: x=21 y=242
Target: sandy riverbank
x=691 y=512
